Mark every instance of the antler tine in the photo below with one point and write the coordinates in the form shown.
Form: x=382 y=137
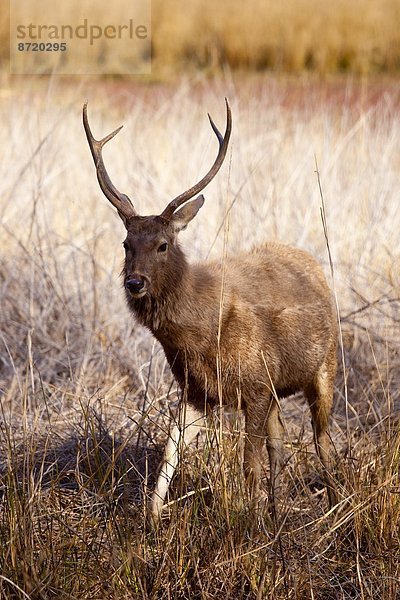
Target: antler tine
x=121 y=202
x=223 y=147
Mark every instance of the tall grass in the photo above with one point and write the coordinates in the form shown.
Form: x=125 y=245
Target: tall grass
x=86 y=394
x=360 y=36
x=293 y=36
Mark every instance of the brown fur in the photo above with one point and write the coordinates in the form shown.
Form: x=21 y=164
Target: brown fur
x=276 y=334
x=262 y=325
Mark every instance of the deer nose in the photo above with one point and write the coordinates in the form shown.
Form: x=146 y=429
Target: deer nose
x=134 y=285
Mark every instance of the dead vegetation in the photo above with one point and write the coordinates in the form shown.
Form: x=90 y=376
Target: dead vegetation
x=86 y=395
x=306 y=35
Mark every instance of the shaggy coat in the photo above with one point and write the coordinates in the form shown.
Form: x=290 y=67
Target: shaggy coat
x=250 y=330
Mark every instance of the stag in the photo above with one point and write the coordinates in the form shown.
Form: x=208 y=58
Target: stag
x=260 y=325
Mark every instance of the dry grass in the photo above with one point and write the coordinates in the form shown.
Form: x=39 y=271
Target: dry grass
x=86 y=394
x=298 y=35
x=360 y=36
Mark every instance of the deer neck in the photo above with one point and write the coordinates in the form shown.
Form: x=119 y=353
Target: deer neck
x=170 y=311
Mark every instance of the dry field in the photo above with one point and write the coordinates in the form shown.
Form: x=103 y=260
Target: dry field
x=361 y=36
x=86 y=394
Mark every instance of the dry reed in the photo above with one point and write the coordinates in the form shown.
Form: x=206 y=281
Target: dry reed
x=360 y=36
x=85 y=394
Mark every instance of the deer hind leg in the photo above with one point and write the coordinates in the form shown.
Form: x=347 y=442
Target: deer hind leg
x=182 y=432
x=263 y=427
x=320 y=397
x=274 y=443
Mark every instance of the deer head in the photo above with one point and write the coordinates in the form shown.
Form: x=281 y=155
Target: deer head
x=151 y=247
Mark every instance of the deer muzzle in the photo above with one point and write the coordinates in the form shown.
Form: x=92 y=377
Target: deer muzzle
x=136 y=286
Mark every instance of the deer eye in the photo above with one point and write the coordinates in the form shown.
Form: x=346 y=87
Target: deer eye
x=125 y=245
x=163 y=247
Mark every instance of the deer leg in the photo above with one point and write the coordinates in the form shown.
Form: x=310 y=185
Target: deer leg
x=263 y=426
x=320 y=397
x=254 y=442
x=188 y=425
x=274 y=443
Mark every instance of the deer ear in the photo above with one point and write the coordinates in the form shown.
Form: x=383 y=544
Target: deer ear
x=124 y=219
x=183 y=216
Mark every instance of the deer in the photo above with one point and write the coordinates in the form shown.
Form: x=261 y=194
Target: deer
x=260 y=324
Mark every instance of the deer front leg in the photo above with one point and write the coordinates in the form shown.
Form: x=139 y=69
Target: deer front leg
x=186 y=427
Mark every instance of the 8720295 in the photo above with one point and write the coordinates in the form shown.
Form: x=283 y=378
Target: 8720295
x=42 y=46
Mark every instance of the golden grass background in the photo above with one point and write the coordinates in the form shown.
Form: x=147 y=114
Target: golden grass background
x=296 y=35
x=86 y=395
x=362 y=36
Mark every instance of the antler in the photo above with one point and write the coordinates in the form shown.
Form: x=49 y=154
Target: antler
x=121 y=202
x=223 y=147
